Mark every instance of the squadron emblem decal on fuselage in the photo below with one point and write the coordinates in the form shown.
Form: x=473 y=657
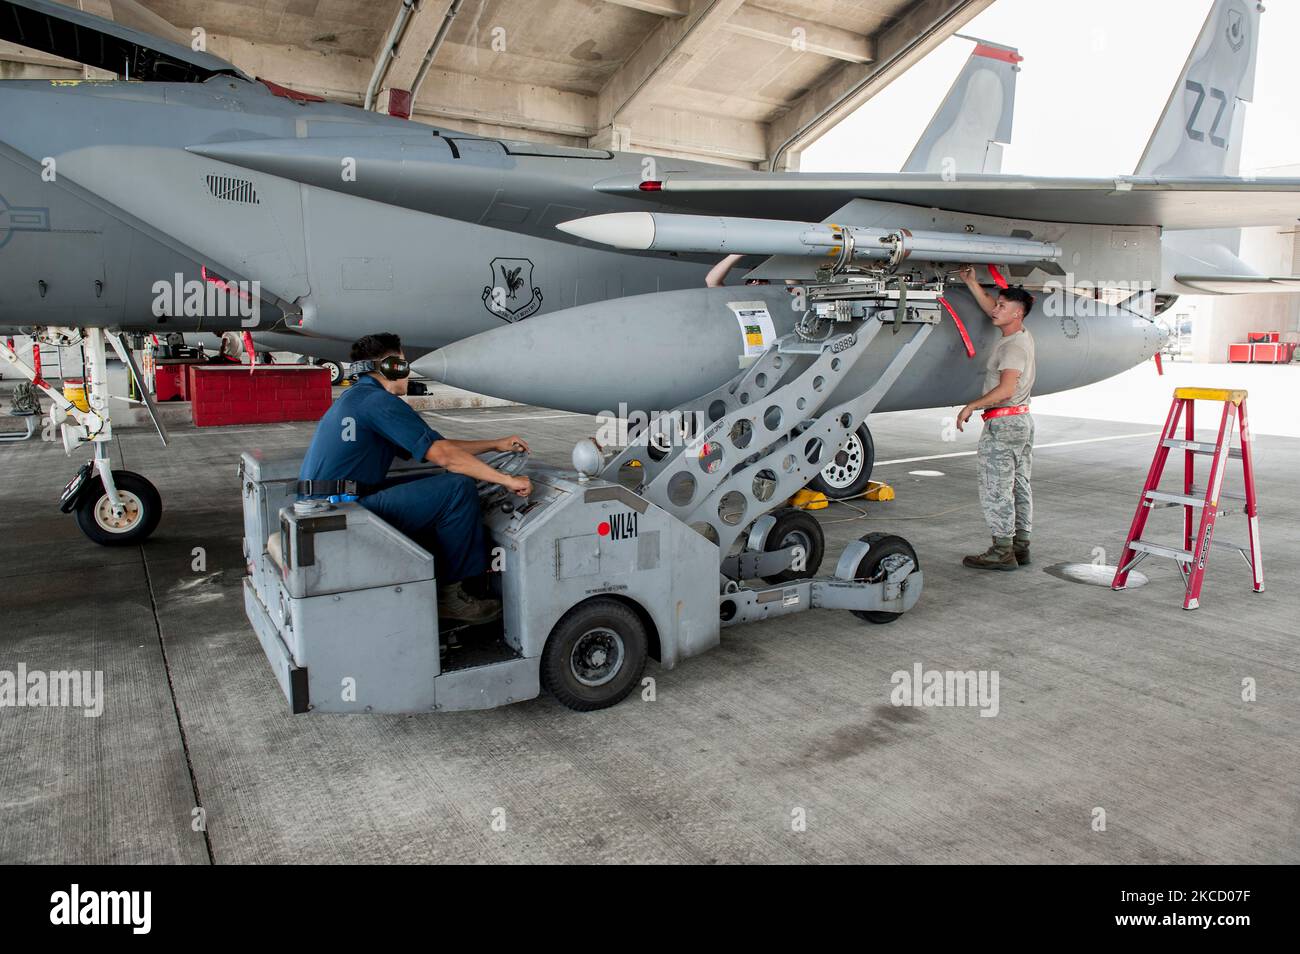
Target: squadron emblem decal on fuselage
x=512 y=296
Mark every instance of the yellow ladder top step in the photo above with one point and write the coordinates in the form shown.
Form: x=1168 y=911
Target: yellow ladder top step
x=1235 y=395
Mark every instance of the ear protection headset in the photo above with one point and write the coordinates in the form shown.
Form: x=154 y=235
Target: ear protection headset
x=393 y=367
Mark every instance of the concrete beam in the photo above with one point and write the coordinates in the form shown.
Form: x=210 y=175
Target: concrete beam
x=135 y=15
x=663 y=8
x=496 y=131
x=617 y=138
x=36 y=64
x=664 y=130
x=665 y=52
x=13 y=53
x=335 y=76
x=784 y=30
x=16 y=70
x=927 y=24
x=710 y=157
x=481 y=60
x=484 y=100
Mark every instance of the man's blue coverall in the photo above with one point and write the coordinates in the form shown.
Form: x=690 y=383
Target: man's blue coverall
x=358 y=438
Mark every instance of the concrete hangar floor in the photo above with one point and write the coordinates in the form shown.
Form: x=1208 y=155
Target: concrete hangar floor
x=1115 y=701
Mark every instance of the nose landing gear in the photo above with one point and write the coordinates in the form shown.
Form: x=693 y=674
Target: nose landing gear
x=113 y=507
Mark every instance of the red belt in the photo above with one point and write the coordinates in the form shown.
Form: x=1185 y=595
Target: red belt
x=1005 y=411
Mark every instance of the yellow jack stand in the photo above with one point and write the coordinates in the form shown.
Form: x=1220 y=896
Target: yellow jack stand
x=879 y=491
x=809 y=500
x=813 y=500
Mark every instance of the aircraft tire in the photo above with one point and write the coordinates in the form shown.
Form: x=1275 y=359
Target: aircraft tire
x=849 y=472
x=335 y=369
x=143 y=510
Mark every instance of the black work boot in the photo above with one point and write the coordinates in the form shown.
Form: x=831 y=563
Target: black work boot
x=455 y=605
x=997 y=557
x=1020 y=547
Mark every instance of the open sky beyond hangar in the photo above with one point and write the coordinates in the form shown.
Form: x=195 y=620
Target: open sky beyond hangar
x=1095 y=78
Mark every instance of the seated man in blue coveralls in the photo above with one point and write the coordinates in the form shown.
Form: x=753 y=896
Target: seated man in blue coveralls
x=357 y=440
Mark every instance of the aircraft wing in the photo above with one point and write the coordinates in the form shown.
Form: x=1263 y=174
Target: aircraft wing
x=1174 y=203
x=1241 y=284
x=85 y=38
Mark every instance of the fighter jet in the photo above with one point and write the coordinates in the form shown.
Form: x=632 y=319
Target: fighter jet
x=194 y=197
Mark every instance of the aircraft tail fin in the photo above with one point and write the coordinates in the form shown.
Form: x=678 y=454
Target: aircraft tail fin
x=1199 y=132
x=974 y=120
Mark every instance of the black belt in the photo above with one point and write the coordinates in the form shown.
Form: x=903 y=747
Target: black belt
x=330 y=488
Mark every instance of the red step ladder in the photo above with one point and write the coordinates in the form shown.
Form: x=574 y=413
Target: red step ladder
x=1191 y=559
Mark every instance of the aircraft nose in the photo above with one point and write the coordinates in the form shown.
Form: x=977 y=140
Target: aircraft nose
x=1166 y=333
x=1159 y=335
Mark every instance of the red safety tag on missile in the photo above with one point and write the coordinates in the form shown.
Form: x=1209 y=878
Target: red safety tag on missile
x=965 y=338
x=997 y=277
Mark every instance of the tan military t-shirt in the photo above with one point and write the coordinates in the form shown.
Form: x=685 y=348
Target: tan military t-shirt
x=1012 y=353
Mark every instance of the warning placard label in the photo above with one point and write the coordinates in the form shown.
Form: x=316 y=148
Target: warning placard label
x=756 y=329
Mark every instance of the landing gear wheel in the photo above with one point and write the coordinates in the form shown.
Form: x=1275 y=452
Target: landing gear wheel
x=849 y=471
x=595 y=655
x=796 y=527
x=886 y=549
x=335 y=369
x=143 y=510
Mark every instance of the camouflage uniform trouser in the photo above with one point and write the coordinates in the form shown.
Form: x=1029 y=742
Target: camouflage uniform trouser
x=1006 y=455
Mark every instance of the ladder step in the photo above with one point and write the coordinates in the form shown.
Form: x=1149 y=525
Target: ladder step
x=1198 y=447
x=1155 y=549
x=1229 y=494
x=1215 y=542
x=1186 y=500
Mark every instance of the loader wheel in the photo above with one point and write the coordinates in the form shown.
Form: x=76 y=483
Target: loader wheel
x=883 y=547
x=143 y=510
x=796 y=527
x=849 y=471
x=595 y=655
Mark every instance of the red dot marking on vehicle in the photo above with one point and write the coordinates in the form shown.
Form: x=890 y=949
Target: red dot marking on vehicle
x=603 y=529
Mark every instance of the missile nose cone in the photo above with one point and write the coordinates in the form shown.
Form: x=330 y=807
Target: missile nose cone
x=433 y=365
x=632 y=230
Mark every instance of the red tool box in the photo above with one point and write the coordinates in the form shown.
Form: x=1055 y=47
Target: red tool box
x=224 y=394
x=1263 y=353
x=171 y=379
